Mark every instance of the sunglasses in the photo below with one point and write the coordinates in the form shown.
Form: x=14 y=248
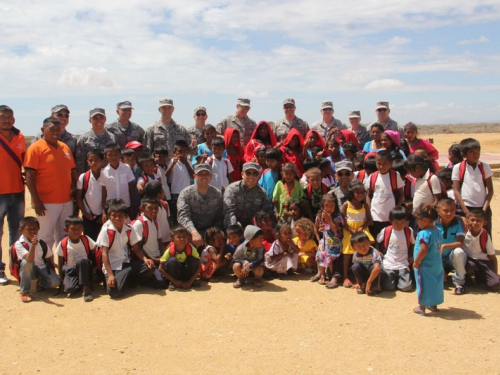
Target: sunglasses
x=249 y=173
x=200 y=114
x=62 y=115
x=327 y=109
x=289 y=106
x=381 y=109
x=342 y=174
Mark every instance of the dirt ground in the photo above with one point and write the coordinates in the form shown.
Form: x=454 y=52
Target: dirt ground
x=288 y=326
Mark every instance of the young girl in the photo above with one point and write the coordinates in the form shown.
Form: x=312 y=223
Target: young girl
x=375 y=145
x=357 y=218
x=304 y=230
x=292 y=150
x=283 y=255
x=334 y=151
x=390 y=142
x=313 y=138
x=260 y=157
x=350 y=150
x=261 y=136
x=454 y=155
x=328 y=228
x=427 y=187
x=264 y=221
x=414 y=143
x=205 y=149
x=234 y=152
x=428 y=266
x=296 y=210
x=346 y=136
x=212 y=257
x=285 y=190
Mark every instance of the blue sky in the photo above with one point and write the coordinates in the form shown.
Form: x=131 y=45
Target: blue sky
x=435 y=62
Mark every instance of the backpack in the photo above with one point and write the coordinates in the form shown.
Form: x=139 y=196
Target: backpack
x=461 y=172
x=361 y=175
x=387 y=235
x=85 y=188
x=394 y=183
x=483 y=239
x=145 y=228
x=164 y=205
x=171 y=249
x=443 y=193
x=210 y=161
x=15 y=262
x=111 y=237
x=324 y=190
x=64 y=246
x=146 y=179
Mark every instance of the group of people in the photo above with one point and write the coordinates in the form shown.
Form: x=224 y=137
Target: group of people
x=359 y=207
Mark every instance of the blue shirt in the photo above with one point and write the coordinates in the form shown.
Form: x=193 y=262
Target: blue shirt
x=450 y=234
x=268 y=181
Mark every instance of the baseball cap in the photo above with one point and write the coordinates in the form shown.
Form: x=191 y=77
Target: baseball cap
x=124 y=105
x=202 y=167
x=97 y=111
x=200 y=109
x=244 y=102
x=251 y=231
x=59 y=107
x=251 y=165
x=166 y=103
x=347 y=165
x=326 y=105
x=354 y=114
x=382 y=105
x=289 y=101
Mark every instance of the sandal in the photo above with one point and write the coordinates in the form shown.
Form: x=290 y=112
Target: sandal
x=347 y=283
x=322 y=281
x=87 y=297
x=258 y=283
x=433 y=308
x=333 y=283
x=26 y=297
x=315 y=278
x=419 y=311
x=238 y=283
x=360 y=291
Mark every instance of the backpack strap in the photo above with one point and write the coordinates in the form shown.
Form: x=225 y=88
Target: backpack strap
x=164 y=205
x=86 y=243
x=483 y=239
x=393 y=177
x=483 y=175
x=408 y=237
x=373 y=179
x=361 y=175
x=463 y=167
x=387 y=236
x=85 y=188
x=171 y=249
x=64 y=247
x=45 y=249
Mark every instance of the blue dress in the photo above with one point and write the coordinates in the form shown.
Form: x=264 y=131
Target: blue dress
x=430 y=275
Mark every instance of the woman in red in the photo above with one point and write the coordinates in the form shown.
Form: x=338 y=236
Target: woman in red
x=414 y=143
x=292 y=150
x=346 y=136
x=263 y=135
x=234 y=152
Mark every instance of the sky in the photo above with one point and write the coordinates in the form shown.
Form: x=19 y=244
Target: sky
x=436 y=62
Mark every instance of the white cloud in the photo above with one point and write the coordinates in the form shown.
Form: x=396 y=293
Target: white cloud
x=416 y=106
x=385 y=84
x=252 y=94
x=481 y=39
x=93 y=77
x=397 y=40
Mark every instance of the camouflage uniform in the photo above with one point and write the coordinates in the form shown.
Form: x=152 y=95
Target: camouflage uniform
x=193 y=130
x=90 y=141
x=66 y=137
x=199 y=211
x=390 y=125
x=242 y=203
x=282 y=127
x=126 y=134
x=163 y=136
x=323 y=129
x=363 y=135
x=245 y=127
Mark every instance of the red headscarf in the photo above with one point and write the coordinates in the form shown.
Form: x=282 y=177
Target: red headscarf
x=321 y=141
x=255 y=143
x=292 y=156
x=236 y=160
x=349 y=136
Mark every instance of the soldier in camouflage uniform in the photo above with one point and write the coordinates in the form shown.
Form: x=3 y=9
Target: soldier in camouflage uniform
x=124 y=130
x=199 y=206
x=97 y=138
x=162 y=134
x=200 y=120
x=240 y=121
x=282 y=127
x=383 y=112
x=359 y=131
x=61 y=112
x=329 y=125
x=243 y=199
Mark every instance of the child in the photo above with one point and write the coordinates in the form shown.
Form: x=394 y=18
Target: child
x=117 y=181
x=234 y=152
x=147 y=165
x=153 y=189
x=414 y=143
x=326 y=173
x=128 y=157
x=235 y=238
x=262 y=136
x=249 y=257
x=286 y=190
x=314 y=190
x=212 y=257
x=454 y=156
x=344 y=176
x=89 y=194
x=366 y=263
x=350 y=151
x=390 y=142
x=481 y=259
x=297 y=210
x=292 y=150
x=357 y=218
x=260 y=157
x=452 y=228
x=222 y=169
x=334 y=152
x=370 y=166
x=161 y=157
x=205 y=149
x=472 y=182
x=396 y=242
x=399 y=165
x=180 y=263
x=264 y=221
x=312 y=139
x=427 y=188
x=304 y=230
x=117 y=241
x=31 y=258
x=444 y=176
x=308 y=164
x=283 y=255
x=346 y=136
x=317 y=152
x=271 y=175
x=375 y=145
x=385 y=191
x=427 y=263
x=75 y=267
x=137 y=147
x=179 y=173
x=329 y=223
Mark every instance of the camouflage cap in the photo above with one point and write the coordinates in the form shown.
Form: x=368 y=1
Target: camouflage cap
x=251 y=165
x=124 y=105
x=166 y=103
x=382 y=105
x=200 y=109
x=97 y=111
x=354 y=114
x=59 y=107
x=344 y=164
x=326 y=105
x=244 y=102
x=202 y=167
x=289 y=101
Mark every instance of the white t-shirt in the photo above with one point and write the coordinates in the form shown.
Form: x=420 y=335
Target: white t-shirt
x=220 y=170
x=396 y=257
x=93 y=196
x=116 y=182
x=423 y=195
x=179 y=179
x=76 y=251
x=472 y=247
x=155 y=177
x=119 y=252
x=38 y=260
x=151 y=246
x=164 y=225
x=383 y=199
x=473 y=190
x=162 y=172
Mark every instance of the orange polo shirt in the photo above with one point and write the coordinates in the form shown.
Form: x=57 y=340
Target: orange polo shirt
x=11 y=181
x=52 y=170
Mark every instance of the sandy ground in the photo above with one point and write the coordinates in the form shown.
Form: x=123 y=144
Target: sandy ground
x=288 y=326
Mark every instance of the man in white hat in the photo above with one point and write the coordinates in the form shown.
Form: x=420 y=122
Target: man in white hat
x=383 y=111
x=282 y=127
x=359 y=131
x=329 y=125
x=240 y=121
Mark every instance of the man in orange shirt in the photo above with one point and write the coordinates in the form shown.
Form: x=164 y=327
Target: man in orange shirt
x=12 y=186
x=50 y=177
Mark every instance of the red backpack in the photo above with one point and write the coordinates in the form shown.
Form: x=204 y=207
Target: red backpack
x=171 y=249
x=210 y=161
x=145 y=228
x=64 y=246
x=164 y=205
x=394 y=183
x=483 y=239
x=361 y=175
x=461 y=172
x=387 y=236
x=15 y=262
x=111 y=237
x=324 y=190
x=443 y=193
